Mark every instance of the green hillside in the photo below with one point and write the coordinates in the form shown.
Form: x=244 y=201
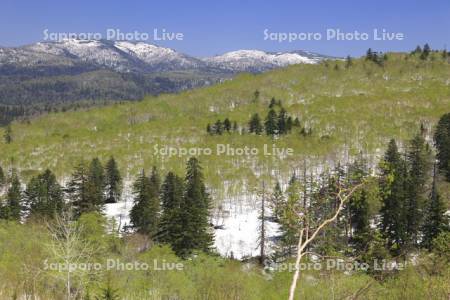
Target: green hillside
x=348 y=110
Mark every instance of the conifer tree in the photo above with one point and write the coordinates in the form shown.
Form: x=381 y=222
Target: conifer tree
x=426 y=52
x=44 y=196
x=273 y=102
x=78 y=192
x=96 y=183
x=282 y=120
x=113 y=182
x=14 y=203
x=369 y=54
x=235 y=126
x=227 y=125
x=218 y=127
x=209 y=129
x=419 y=166
x=436 y=220
x=255 y=125
x=271 y=123
x=394 y=194
x=277 y=202
x=170 y=228
x=144 y=215
x=296 y=122
x=442 y=140
x=194 y=213
x=360 y=219
x=289 y=219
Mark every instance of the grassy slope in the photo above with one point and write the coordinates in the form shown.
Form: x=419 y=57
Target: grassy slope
x=357 y=109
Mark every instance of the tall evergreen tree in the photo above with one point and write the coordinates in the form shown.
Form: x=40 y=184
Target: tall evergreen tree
x=442 y=140
x=144 y=215
x=194 y=213
x=44 y=196
x=277 y=202
x=272 y=103
x=96 y=183
x=170 y=227
x=14 y=202
x=218 y=127
x=419 y=166
x=113 y=182
x=78 y=191
x=271 y=123
x=359 y=208
x=255 y=124
x=393 y=188
x=436 y=221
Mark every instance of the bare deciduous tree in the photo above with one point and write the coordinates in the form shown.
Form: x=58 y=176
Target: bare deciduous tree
x=304 y=240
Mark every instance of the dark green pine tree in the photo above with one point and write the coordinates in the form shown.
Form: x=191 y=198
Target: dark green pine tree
x=209 y=129
x=273 y=102
x=227 y=125
x=78 y=191
x=144 y=215
x=296 y=122
x=113 y=182
x=393 y=186
x=235 y=126
x=195 y=208
x=277 y=202
x=255 y=125
x=442 y=140
x=170 y=227
x=271 y=123
x=218 y=127
x=96 y=183
x=360 y=219
x=282 y=120
x=44 y=196
x=419 y=159
x=348 y=62
x=108 y=292
x=436 y=221
x=14 y=202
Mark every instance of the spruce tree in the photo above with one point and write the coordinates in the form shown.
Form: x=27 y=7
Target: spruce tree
x=359 y=208
x=289 y=217
x=170 y=228
x=436 y=220
x=255 y=125
x=14 y=202
x=78 y=192
x=209 y=129
x=289 y=124
x=282 y=120
x=296 y=122
x=218 y=127
x=144 y=215
x=348 y=62
x=273 y=102
x=44 y=196
x=271 y=123
x=393 y=186
x=442 y=141
x=227 y=125
x=96 y=183
x=419 y=166
x=194 y=213
x=113 y=182
x=277 y=202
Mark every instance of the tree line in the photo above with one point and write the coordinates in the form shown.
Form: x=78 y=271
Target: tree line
x=174 y=212
x=277 y=122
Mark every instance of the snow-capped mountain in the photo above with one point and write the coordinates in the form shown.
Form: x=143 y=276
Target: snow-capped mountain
x=258 y=61
x=124 y=56
x=117 y=55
